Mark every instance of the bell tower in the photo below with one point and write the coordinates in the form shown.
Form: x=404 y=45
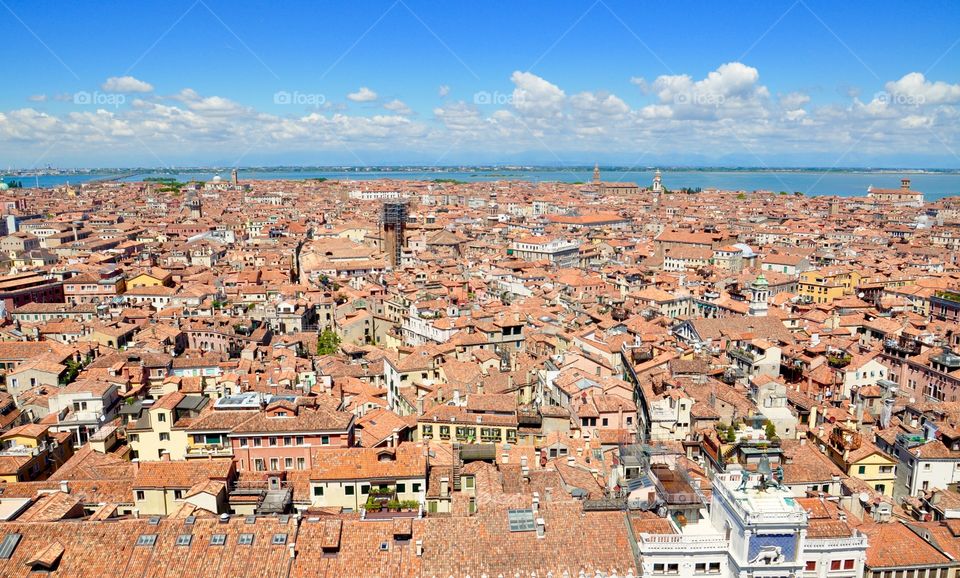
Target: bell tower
x=759 y=292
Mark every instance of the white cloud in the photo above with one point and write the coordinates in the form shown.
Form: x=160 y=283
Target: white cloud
x=728 y=111
x=362 y=95
x=398 y=106
x=443 y=91
x=915 y=89
x=37 y=98
x=126 y=84
x=535 y=96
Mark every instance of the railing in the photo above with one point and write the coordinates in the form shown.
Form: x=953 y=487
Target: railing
x=750 y=516
x=210 y=449
x=741 y=354
x=677 y=542
x=831 y=544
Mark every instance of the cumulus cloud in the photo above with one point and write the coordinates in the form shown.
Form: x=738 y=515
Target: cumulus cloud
x=732 y=90
x=726 y=111
x=914 y=88
x=126 y=84
x=398 y=106
x=363 y=95
x=536 y=96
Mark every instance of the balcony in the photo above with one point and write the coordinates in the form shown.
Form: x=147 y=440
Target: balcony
x=209 y=450
x=742 y=354
x=664 y=543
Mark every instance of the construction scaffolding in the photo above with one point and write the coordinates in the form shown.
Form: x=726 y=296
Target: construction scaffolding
x=394 y=222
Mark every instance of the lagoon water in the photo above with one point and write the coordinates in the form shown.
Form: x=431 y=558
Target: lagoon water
x=809 y=182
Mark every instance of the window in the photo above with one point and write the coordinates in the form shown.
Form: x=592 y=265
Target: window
x=416 y=487
x=318 y=491
x=605 y=422
x=401 y=488
x=468 y=482
x=164 y=437
x=161 y=416
x=886 y=469
x=273 y=441
x=218 y=539
x=245 y=539
x=288 y=463
x=287 y=441
x=324 y=440
x=257 y=442
x=178 y=494
x=348 y=490
x=714 y=567
x=365 y=489
x=862 y=470
x=147 y=540
x=848 y=564
x=184 y=539
x=301 y=463
x=279 y=539
x=141 y=495
x=811 y=566
x=243 y=442
x=834 y=564
x=259 y=465
x=274 y=464
x=299 y=440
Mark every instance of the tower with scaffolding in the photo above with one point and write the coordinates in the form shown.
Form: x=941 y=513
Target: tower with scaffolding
x=393 y=223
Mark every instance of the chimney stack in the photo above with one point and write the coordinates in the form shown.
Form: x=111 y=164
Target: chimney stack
x=541 y=528
x=65 y=486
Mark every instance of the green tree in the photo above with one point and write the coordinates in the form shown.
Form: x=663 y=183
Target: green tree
x=328 y=342
x=741 y=196
x=770 y=430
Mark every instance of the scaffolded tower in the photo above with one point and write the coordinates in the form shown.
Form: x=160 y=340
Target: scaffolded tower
x=394 y=223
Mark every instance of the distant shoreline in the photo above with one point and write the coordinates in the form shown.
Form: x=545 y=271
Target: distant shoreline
x=393 y=169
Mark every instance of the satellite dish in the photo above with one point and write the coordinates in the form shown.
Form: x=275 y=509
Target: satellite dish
x=864 y=497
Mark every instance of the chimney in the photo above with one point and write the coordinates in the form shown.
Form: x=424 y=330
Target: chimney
x=444 y=487
x=419 y=548
x=165 y=456
x=420 y=404
x=571 y=460
x=65 y=486
x=536 y=502
x=505 y=457
x=292 y=549
x=456 y=397
x=549 y=494
x=541 y=528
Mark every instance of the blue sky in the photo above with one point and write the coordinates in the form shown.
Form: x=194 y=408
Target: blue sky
x=240 y=83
